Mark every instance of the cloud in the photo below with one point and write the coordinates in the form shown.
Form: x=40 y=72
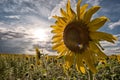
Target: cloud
x=17 y=45
x=20 y=18
x=93 y=2
x=112 y=25
x=6 y=34
x=19 y=37
x=28 y=26
x=13 y=17
x=61 y=4
x=107 y=44
x=111 y=48
x=15 y=9
x=56 y=9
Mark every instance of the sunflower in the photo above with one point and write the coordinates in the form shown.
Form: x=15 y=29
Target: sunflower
x=113 y=57
x=38 y=55
x=102 y=61
x=118 y=58
x=76 y=36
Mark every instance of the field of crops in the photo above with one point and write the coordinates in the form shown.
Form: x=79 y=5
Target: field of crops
x=28 y=67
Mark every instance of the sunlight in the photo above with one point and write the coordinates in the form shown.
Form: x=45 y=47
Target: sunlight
x=40 y=34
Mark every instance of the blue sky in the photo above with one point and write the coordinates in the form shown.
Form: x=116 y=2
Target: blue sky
x=20 y=19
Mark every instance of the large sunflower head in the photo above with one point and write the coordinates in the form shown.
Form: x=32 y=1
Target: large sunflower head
x=76 y=36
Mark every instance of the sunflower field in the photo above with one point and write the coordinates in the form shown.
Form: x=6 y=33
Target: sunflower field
x=26 y=67
x=76 y=39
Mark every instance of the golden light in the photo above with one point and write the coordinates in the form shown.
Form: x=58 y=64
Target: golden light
x=40 y=34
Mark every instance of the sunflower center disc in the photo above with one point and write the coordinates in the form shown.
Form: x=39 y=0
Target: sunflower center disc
x=76 y=37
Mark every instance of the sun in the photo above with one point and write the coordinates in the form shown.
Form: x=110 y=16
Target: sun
x=40 y=34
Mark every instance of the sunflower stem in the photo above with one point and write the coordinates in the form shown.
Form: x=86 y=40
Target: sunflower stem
x=90 y=75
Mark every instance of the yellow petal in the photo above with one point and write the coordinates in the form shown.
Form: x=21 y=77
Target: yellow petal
x=56 y=17
x=97 y=23
x=100 y=36
x=68 y=6
x=91 y=66
x=59 y=18
x=62 y=52
x=91 y=55
x=79 y=63
x=69 y=59
x=56 y=39
x=82 y=10
x=78 y=9
x=57 y=45
x=57 y=35
x=59 y=48
x=63 y=13
x=89 y=13
x=89 y=61
x=98 y=43
x=56 y=27
x=61 y=24
x=82 y=69
x=70 y=12
x=62 y=20
x=96 y=49
x=56 y=31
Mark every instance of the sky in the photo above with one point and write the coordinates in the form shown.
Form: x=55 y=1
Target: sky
x=26 y=23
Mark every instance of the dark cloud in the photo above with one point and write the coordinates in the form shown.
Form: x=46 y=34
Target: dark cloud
x=11 y=35
x=13 y=46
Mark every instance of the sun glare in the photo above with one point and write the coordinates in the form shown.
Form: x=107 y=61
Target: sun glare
x=40 y=34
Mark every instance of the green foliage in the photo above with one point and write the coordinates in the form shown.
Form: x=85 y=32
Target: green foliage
x=24 y=67
x=110 y=70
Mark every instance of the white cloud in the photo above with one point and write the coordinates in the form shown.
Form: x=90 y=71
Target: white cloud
x=110 y=48
x=26 y=7
x=1 y=23
x=114 y=50
x=3 y=29
x=112 y=25
x=94 y=2
x=13 y=17
x=62 y=4
x=32 y=15
x=38 y=24
x=15 y=29
x=107 y=44
x=56 y=9
x=11 y=32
